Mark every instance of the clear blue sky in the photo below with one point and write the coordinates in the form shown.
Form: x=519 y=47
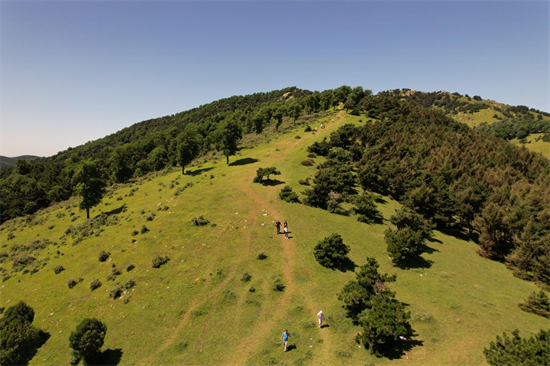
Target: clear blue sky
x=77 y=71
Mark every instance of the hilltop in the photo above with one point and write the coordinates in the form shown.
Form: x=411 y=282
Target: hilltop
x=6 y=162
x=228 y=289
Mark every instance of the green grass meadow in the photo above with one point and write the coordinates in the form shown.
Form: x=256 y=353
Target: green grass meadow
x=535 y=144
x=196 y=310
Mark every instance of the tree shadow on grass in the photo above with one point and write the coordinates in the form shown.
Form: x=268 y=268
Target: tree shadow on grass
x=244 y=161
x=434 y=240
x=416 y=262
x=272 y=182
x=346 y=265
x=196 y=172
x=116 y=211
x=42 y=339
x=400 y=347
x=110 y=357
x=457 y=233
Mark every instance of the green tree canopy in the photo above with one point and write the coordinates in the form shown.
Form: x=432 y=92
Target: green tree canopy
x=383 y=323
x=90 y=184
x=230 y=134
x=189 y=145
x=534 y=351
x=357 y=295
x=19 y=340
x=331 y=252
x=87 y=340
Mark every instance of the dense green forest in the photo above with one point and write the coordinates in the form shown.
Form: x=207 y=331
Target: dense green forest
x=464 y=181
x=518 y=128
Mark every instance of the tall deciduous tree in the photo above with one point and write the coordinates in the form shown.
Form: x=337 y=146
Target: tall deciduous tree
x=90 y=184
x=189 y=145
x=119 y=160
x=230 y=134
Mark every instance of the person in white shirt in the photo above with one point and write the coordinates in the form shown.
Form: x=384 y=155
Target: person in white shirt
x=321 y=317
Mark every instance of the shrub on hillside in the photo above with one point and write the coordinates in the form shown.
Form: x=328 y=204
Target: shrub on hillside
x=534 y=351
x=278 y=285
x=19 y=340
x=320 y=148
x=58 y=269
x=114 y=273
x=71 y=283
x=331 y=252
x=95 y=284
x=21 y=260
x=200 y=221
x=307 y=129
x=537 y=303
x=103 y=256
x=261 y=256
x=115 y=292
x=246 y=277
x=404 y=244
x=366 y=209
x=129 y=284
x=357 y=294
x=159 y=261
x=334 y=204
x=87 y=340
x=308 y=162
x=383 y=323
x=130 y=267
x=265 y=172
x=287 y=195
x=144 y=229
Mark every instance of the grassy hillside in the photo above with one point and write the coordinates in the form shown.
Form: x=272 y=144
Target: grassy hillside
x=197 y=310
x=534 y=143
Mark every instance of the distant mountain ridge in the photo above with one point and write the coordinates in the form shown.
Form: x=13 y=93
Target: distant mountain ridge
x=6 y=162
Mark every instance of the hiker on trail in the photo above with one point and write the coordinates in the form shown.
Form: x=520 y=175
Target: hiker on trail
x=322 y=126
x=333 y=120
x=321 y=317
x=278 y=225
x=286 y=230
x=285 y=338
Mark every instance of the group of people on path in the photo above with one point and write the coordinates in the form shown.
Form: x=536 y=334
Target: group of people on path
x=285 y=229
x=284 y=337
x=320 y=314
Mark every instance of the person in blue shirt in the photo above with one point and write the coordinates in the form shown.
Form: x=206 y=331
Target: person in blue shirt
x=285 y=338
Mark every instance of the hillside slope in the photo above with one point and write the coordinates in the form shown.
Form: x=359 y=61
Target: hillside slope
x=6 y=162
x=197 y=310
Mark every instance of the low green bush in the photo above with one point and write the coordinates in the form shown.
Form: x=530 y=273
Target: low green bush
x=95 y=284
x=58 y=269
x=103 y=256
x=159 y=261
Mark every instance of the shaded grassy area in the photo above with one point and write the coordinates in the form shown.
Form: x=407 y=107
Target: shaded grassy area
x=534 y=143
x=196 y=309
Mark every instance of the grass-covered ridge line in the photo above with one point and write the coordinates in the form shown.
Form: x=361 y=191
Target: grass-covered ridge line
x=196 y=309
